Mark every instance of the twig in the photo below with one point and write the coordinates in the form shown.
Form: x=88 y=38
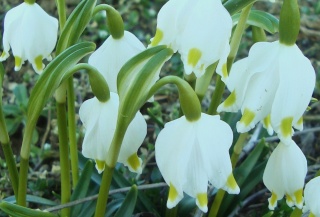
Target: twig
x=94 y=197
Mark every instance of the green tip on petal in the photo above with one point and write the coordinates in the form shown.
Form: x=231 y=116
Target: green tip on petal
x=38 y=63
x=157 y=38
x=286 y=126
x=247 y=117
x=100 y=165
x=273 y=201
x=299 y=197
x=311 y=215
x=194 y=56
x=134 y=162
x=17 y=63
x=224 y=71
x=289 y=200
x=202 y=201
x=267 y=121
x=173 y=193
x=230 y=100
x=232 y=185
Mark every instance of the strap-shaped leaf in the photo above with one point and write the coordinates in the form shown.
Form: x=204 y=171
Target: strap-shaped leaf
x=260 y=19
x=129 y=203
x=19 y=211
x=75 y=25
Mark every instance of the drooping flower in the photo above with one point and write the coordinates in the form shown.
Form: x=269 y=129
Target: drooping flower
x=191 y=153
x=312 y=196
x=113 y=54
x=194 y=28
x=284 y=175
x=99 y=119
x=273 y=85
x=31 y=33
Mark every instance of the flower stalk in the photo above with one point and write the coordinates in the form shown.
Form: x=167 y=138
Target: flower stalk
x=234 y=46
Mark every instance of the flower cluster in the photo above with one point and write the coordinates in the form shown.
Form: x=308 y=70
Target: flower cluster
x=31 y=33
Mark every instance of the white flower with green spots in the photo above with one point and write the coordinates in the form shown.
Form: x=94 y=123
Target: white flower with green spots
x=274 y=85
x=191 y=153
x=199 y=30
x=311 y=197
x=285 y=174
x=100 y=119
x=31 y=33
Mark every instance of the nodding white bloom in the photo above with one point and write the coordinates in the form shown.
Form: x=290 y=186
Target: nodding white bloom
x=199 y=30
x=284 y=175
x=100 y=119
x=273 y=85
x=312 y=197
x=189 y=154
x=31 y=33
x=113 y=54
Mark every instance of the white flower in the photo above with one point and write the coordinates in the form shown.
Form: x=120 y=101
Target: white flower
x=189 y=154
x=312 y=197
x=99 y=119
x=273 y=85
x=284 y=175
x=31 y=33
x=113 y=54
x=199 y=30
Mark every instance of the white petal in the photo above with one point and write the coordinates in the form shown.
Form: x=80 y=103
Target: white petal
x=113 y=54
x=133 y=139
x=204 y=40
x=285 y=173
x=311 y=196
x=297 y=80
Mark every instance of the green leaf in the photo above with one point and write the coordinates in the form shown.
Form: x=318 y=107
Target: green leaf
x=75 y=25
x=82 y=187
x=13 y=110
x=52 y=76
x=260 y=19
x=21 y=94
x=19 y=211
x=129 y=203
x=33 y=199
x=233 y=6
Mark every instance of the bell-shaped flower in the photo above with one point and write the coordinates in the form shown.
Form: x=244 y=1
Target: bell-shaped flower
x=113 y=54
x=312 y=197
x=100 y=119
x=273 y=85
x=31 y=33
x=191 y=153
x=194 y=28
x=284 y=174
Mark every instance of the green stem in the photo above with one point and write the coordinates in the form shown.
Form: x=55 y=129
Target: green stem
x=31 y=2
x=72 y=132
x=237 y=149
x=172 y=212
x=64 y=157
x=111 y=161
x=23 y=179
x=61 y=7
x=203 y=82
x=234 y=47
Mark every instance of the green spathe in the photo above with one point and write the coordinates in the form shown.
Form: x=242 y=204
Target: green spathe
x=289 y=23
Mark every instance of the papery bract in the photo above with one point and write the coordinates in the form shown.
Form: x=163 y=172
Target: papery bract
x=31 y=33
x=113 y=54
x=189 y=154
x=285 y=173
x=312 y=197
x=273 y=85
x=100 y=119
x=194 y=28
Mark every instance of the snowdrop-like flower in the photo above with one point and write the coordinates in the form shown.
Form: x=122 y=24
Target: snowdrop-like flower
x=199 y=30
x=100 y=119
x=113 y=54
x=312 y=197
x=273 y=85
x=31 y=33
x=191 y=153
x=284 y=175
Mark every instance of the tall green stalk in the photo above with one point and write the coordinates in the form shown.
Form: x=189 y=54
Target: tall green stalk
x=216 y=98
